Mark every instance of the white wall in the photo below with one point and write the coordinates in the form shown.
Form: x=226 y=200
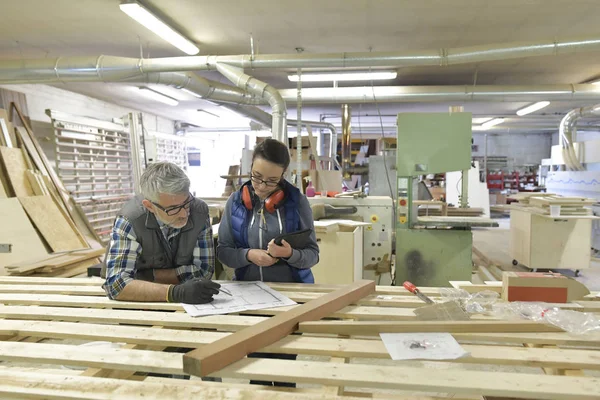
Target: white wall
x=520 y=149
x=42 y=97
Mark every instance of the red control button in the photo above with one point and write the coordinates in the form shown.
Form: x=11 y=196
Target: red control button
x=403 y=202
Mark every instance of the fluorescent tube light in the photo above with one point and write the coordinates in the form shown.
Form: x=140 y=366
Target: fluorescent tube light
x=596 y=82
x=492 y=122
x=345 y=76
x=141 y=14
x=154 y=95
x=190 y=92
x=533 y=108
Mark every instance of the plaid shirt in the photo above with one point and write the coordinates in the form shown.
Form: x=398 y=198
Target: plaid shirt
x=124 y=251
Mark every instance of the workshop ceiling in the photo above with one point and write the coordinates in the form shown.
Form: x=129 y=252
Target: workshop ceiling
x=40 y=28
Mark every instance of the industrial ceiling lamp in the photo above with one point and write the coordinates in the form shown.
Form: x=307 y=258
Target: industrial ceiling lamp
x=154 y=95
x=492 y=122
x=344 y=76
x=142 y=15
x=533 y=108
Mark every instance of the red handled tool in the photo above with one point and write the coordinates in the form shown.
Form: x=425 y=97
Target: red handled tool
x=413 y=289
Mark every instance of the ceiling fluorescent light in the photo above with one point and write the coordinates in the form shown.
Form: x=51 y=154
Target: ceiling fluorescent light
x=492 y=122
x=188 y=91
x=154 y=95
x=141 y=14
x=345 y=76
x=533 y=108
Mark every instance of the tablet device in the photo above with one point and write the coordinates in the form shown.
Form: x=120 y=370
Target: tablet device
x=298 y=240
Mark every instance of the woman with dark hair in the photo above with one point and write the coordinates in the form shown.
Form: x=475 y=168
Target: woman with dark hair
x=265 y=207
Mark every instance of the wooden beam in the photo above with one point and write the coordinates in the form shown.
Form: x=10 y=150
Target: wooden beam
x=204 y=361
x=374 y=328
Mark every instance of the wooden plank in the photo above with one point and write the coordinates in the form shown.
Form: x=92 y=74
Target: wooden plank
x=43 y=164
x=100 y=316
x=21 y=235
x=375 y=328
x=18 y=280
x=42 y=385
x=529 y=386
x=356 y=375
x=15 y=167
x=56 y=260
x=351 y=312
x=51 y=223
x=204 y=361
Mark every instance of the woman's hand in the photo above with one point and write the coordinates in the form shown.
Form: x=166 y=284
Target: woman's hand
x=261 y=258
x=283 y=251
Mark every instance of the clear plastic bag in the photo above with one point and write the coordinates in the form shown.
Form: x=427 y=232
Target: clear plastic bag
x=476 y=303
x=486 y=302
x=574 y=322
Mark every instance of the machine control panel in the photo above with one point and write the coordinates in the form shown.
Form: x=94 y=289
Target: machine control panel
x=402 y=210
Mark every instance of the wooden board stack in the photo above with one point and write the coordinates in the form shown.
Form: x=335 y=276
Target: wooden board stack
x=38 y=215
x=66 y=265
x=552 y=365
x=569 y=206
x=432 y=211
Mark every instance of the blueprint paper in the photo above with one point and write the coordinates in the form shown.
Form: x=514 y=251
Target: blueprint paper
x=422 y=346
x=245 y=296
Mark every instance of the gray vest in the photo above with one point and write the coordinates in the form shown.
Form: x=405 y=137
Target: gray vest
x=155 y=249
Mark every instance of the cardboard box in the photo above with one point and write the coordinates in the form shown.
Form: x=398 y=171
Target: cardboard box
x=539 y=286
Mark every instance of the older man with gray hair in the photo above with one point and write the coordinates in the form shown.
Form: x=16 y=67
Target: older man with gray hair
x=161 y=246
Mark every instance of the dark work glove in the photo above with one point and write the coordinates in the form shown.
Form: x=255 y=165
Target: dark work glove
x=194 y=291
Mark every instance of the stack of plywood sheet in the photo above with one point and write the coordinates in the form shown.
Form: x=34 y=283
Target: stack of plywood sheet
x=38 y=215
x=569 y=206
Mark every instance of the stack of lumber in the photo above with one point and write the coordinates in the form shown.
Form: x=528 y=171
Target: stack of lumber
x=65 y=265
x=545 y=362
x=38 y=215
x=569 y=206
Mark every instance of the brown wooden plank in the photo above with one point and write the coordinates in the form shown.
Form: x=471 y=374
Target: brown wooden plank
x=51 y=223
x=377 y=327
x=204 y=361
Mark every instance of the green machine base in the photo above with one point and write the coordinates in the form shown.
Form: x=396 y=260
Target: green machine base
x=432 y=257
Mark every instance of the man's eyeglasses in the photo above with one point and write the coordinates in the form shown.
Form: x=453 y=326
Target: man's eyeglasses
x=258 y=181
x=174 y=210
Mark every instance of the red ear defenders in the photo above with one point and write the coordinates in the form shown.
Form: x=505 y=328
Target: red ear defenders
x=272 y=203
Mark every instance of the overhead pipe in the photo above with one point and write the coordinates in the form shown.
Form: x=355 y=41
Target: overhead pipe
x=567 y=131
x=264 y=118
x=262 y=90
x=389 y=94
x=346 y=134
x=205 y=88
x=82 y=68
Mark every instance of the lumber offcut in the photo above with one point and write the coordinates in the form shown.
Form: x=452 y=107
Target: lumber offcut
x=208 y=359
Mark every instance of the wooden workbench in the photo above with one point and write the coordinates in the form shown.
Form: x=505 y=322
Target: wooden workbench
x=44 y=318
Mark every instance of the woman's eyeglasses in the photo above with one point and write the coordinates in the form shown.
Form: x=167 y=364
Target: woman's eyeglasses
x=174 y=210
x=258 y=181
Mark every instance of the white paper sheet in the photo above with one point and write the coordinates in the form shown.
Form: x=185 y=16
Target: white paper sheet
x=422 y=346
x=246 y=296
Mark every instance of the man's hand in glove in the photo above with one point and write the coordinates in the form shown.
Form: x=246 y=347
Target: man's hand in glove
x=194 y=291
